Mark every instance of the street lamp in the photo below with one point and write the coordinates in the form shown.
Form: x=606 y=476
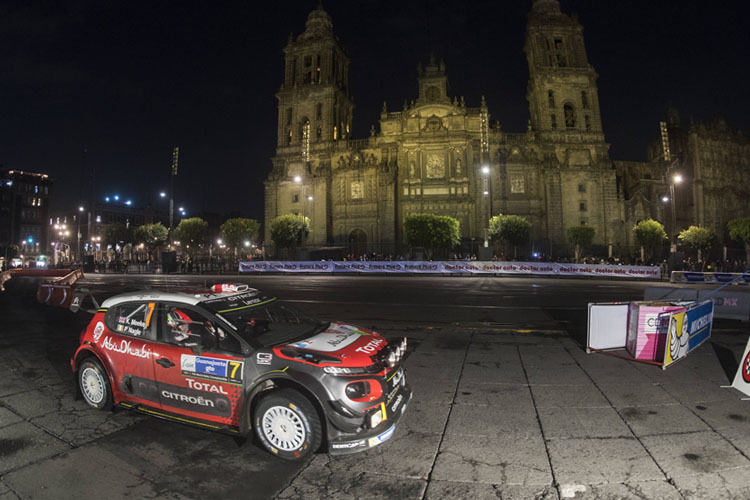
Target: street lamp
x=488 y=200
x=78 y=248
x=676 y=179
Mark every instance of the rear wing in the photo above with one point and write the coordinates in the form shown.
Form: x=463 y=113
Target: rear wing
x=79 y=299
x=54 y=292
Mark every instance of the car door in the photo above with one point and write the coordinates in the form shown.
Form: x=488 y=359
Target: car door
x=197 y=375
x=128 y=345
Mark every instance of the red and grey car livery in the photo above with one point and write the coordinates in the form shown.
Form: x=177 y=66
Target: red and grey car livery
x=236 y=360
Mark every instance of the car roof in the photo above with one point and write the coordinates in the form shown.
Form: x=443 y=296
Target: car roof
x=189 y=297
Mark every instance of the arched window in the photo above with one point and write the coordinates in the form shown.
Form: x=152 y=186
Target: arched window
x=289 y=137
x=335 y=133
x=570 y=116
x=551 y=98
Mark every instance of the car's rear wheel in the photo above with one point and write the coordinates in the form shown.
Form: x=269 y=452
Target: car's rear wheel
x=94 y=384
x=287 y=424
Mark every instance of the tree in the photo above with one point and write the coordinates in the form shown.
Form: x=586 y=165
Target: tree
x=580 y=237
x=116 y=233
x=433 y=232
x=739 y=229
x=191 y=232
x=698 y=237
x=287 y=231
x=650 y=235
x=513 y=230
x=236 y=231
x=152 y=236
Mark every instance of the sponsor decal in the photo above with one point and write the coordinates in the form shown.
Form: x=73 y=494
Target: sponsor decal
x=264 y=358
x=126 y=347
x=348 y=446
x=205 y=386
x=397 y=403
x=381 y=438
x=219 y=370
x=184 y=398
x=187 y=399
x=98 y=330
x=337 y=336
x=371 y=347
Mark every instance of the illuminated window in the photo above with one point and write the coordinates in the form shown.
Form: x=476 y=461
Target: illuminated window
x=551 y=98
x=306 y=140
x=335 y=133
x=289 y=137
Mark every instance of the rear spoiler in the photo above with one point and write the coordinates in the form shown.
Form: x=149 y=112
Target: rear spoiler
x=54 y=292
x=79 y=298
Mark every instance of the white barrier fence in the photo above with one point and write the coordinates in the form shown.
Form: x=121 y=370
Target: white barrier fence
x=451 y=267
x=701 y=277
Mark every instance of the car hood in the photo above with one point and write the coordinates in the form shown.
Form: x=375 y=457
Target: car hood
x=352 y=344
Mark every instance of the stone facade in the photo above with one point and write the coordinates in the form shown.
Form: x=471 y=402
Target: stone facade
x=440 y=155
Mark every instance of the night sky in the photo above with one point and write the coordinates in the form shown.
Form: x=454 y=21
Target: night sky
x=126 y=81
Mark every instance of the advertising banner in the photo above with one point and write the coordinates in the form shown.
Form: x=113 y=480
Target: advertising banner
x=450 y=267
x=742 y=378
x=688 y=329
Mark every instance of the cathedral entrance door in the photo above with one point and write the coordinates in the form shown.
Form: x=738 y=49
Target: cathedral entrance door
x=358 y=242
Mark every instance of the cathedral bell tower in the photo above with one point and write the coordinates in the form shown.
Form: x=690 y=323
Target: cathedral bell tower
x=314 y=101
x=562 y=92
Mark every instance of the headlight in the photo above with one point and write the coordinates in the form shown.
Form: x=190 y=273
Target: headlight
x=375 y=419
x=342 y=370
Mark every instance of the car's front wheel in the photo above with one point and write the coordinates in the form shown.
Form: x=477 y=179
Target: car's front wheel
x=94 y=384
x=287 y=424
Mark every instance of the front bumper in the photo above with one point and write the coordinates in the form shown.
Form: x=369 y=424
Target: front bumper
x=355 y=442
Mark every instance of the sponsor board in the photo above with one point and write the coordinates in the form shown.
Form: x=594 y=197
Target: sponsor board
x=688 y=329
x=217 y=369
x=742 y=377
x=451 y=267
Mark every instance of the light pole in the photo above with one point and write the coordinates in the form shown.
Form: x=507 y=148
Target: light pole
x=676 y=179
x=488 y=200
x=298 y=180
x=78 y=248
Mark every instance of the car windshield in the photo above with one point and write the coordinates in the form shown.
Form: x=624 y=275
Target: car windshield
x=266 y=320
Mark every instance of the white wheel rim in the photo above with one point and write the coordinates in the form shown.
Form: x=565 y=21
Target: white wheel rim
x=283 y=428
x=92 y=385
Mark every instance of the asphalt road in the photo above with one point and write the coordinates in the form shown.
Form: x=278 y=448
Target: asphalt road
x=507 y=404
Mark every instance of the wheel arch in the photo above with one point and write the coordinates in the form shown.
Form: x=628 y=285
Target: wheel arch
x=276 y=383
x=80 y=357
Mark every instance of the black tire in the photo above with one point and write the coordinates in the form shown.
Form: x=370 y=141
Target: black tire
x=286 y=413
x=93 y=383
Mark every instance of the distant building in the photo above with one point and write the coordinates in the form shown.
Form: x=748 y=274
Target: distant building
x=439 y=154
x=24 y=209
x=713 y=162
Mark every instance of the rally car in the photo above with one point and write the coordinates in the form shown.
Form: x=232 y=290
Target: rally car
x=234 y=359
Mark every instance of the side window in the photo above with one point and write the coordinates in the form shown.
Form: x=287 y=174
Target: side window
x=133 y=319
x=189 y=328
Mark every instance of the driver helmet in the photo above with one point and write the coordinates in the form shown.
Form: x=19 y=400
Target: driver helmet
x=179 y=323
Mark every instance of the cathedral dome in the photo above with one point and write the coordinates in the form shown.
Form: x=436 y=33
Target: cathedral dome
x=318 y=25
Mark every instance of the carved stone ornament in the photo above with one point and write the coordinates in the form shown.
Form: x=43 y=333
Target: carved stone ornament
x=517 y=184
x=435 y=166
x=433 y=124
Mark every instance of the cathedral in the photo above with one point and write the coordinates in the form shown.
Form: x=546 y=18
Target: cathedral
x=444 y=156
